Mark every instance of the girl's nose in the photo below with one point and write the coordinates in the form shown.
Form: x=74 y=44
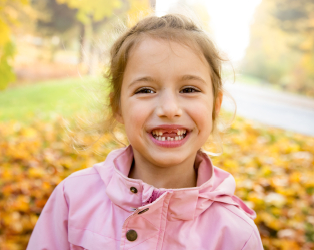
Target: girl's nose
x=168 y=105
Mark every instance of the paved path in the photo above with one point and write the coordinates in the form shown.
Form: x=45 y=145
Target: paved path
x=276 y=109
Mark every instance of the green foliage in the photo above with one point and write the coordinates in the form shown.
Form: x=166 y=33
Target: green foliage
x=8 y=18
x=92 y=10
x=281 y=49
x=6 y=70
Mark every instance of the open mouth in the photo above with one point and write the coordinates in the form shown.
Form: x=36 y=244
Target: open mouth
x=169 y=135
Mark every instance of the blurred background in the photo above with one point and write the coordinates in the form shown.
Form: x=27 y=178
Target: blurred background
x=52 y=57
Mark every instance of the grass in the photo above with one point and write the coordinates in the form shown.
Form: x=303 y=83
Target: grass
x=46 y=100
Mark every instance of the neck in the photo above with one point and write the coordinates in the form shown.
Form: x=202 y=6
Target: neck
x=182 y=175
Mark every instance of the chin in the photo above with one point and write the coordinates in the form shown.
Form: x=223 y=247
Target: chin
x=168 y=161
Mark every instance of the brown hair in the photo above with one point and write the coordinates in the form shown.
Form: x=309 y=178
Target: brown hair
x=171 y=27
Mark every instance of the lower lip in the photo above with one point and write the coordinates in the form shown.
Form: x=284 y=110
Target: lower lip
x=169 y=144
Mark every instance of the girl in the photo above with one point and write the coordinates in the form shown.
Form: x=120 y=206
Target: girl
x=162 y=191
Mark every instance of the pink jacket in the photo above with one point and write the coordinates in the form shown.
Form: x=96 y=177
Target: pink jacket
x=101 y=208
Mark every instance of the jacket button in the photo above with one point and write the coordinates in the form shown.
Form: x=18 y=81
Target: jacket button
x=131 y=235
x=133 y=190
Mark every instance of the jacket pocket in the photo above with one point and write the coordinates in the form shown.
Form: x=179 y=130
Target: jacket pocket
x=84 y=239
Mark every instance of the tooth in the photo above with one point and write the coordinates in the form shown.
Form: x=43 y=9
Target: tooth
x=168 y=138
x=159 y=133
x=171 y=139
x=176 y=138
x=178 y=133
x=163 y=138
x=184 y=132
x=180 y=137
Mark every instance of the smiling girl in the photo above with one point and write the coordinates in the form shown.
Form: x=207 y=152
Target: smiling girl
x=162 y=191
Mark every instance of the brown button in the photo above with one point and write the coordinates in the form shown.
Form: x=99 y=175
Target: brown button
x=131 y=235
x=143 y=211
x=133 y=190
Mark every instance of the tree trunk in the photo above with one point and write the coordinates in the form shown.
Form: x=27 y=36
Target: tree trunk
x=82 y=38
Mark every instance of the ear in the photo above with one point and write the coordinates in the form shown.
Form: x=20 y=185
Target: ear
x=117 y=114
x=218 y=102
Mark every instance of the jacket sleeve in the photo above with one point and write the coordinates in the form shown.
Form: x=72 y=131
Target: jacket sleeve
x=51 y=230
x=254 y=242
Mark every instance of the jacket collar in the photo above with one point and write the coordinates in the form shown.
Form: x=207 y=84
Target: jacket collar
x=213 y=184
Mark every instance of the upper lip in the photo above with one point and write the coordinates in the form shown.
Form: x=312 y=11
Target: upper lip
x=168 y=127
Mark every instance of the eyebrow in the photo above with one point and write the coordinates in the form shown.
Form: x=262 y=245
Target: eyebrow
x=142 y=79
x=192 y=77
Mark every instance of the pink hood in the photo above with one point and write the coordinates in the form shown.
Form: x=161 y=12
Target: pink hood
x=213 y=185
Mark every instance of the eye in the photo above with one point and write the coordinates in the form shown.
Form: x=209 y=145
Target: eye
x=189 y=90
x=145 y=91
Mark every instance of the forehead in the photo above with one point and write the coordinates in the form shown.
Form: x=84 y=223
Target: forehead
x=156 y=50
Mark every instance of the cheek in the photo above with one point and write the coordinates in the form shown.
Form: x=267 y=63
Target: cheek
x=134 y=115
x=202 y=114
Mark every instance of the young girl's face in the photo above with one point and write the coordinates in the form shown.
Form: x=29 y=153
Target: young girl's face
x=166 y=102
